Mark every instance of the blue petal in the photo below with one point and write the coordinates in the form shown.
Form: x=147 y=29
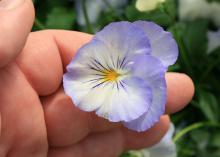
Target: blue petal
x=129 y=101
x=124 y=38
x=151 y=70
x=163 y=45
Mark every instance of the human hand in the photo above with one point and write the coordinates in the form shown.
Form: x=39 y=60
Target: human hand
x=37 y=118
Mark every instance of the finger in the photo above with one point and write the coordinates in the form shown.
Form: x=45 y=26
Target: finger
x=112 y=143
x=107 y=144
x=41 y=57
x=180 y=90
x=40 y=61
x=23 y=130
x=134 y=140
x=66 y=124
x=16 y=18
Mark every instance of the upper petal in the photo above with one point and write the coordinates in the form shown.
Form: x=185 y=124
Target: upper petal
x=163 y=45
x=124 y=38
x=152 y=71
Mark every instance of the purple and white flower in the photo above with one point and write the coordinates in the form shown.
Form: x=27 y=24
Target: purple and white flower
x=120 y=73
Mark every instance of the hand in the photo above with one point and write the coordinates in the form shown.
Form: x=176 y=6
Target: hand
x=36 y=118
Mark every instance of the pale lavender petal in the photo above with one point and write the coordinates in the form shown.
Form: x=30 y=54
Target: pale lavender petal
x=124 y=39
x=163 y=45
x=126 y=102
x=78 y=81
x=152 y=71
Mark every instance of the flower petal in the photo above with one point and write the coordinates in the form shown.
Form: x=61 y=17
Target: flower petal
x=127 y=102
x=165 y=148
x=163 y=45
x=124 y=38
x=152 y=71
x=80 y=78
x=147 y=5
x=81 y=94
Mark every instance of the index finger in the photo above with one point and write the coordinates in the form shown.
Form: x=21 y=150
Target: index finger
x=16 y=18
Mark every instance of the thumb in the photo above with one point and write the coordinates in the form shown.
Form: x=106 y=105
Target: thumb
x=16 y=20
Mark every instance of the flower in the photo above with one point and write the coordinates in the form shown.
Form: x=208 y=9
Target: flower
x=213 y=40
x=147 y=5
x=194 y=9
x=165 y=148
x=120 y=73
x=94 y=9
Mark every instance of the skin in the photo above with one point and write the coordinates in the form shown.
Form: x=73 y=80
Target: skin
x=36 y=118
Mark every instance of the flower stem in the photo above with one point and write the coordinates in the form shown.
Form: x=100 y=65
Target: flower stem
x=194 y=127
x=88 y=24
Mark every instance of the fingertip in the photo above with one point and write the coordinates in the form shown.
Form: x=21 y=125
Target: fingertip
x=16 y=23
x=180 y=91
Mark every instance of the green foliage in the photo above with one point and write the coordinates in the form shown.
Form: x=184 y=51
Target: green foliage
x=214 y=1
x=197 y=138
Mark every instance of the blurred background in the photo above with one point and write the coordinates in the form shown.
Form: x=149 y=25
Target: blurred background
x=195 y=24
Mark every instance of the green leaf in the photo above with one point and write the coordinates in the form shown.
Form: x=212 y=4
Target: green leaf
x=214 y=1
x=60 y=18
x=215 y=140
x=201 y=137
x=209 y=106
x=195 y=37
x=164 y=15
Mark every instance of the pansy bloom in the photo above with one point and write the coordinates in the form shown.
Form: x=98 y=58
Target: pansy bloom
x=120 y=73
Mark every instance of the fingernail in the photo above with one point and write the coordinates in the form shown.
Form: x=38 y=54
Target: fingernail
x=10 y=4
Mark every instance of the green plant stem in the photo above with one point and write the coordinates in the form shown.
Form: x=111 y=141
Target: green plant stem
x=88 y=24
x=39 y=24
x=194 y=127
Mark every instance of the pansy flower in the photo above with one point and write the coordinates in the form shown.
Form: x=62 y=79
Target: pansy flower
x=120 y=73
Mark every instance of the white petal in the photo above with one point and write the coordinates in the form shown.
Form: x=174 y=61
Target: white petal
x=147 y=5
x=165 y=148
x=195 y=9
x=213 y=40
x=127 y=103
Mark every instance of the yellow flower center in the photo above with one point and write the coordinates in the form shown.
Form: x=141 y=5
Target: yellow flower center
x=111 y=75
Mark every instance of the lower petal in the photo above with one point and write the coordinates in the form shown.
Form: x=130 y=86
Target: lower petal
x=126 y=102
